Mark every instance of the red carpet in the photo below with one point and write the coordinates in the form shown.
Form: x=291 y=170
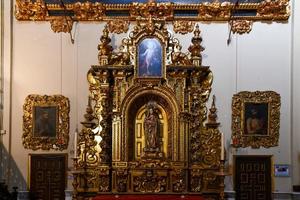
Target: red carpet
x=148 y=197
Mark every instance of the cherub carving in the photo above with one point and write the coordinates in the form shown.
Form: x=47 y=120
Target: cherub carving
x=179 y=58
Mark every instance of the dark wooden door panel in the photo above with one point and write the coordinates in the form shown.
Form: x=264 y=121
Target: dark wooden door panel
x=253 y=177
x=48 y=176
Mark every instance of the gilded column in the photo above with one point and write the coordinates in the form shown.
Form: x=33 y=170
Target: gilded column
x=103 y=113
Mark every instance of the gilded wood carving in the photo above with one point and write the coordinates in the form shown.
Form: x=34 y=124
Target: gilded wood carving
x=148 y=107
x=255 y=119
x=51 y=10
x=46 y=122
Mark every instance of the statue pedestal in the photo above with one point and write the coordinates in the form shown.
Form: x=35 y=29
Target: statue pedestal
x=151 y=153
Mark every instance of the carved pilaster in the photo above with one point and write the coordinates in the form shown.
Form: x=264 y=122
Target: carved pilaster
x=121 y=180
x=104 y=179
x=196 y=176
x=179 y=180
x=104 y=115
x=195 y=125
x=75 y=185
x=116 y=133
x=119 y=88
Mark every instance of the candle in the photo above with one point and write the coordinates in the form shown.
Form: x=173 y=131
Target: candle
x=222 y=146
x=75 y=143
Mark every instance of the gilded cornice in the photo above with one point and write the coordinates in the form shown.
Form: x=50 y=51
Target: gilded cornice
x=208 y=11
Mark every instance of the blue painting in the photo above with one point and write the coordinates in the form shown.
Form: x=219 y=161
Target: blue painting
x=150 y=58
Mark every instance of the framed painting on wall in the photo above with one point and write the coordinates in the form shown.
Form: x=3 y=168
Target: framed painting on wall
x=46 y=122
x=255 y=119
x=150 y=58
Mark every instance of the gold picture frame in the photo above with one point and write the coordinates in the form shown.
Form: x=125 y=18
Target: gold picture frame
x=46 y=122
x=255 y=119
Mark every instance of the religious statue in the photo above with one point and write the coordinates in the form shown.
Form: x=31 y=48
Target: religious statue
x=151 y=128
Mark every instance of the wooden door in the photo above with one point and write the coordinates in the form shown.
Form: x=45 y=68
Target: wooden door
x=47 y=176
x=253 y=179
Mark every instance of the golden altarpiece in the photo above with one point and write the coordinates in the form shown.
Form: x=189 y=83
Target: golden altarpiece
x=146 y=128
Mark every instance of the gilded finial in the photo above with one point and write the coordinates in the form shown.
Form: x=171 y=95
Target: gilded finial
x=212 y=116
x=105 y=31
x=89 y=117
x=197 y=31
x=195 y=48
x=105 y=49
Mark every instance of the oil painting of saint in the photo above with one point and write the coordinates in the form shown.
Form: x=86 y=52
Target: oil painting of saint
x=150 y=58
x=256 y=119
x=45 y=121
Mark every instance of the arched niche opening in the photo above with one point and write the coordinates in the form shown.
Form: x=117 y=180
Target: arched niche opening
x=140 y=135
x=135 y=115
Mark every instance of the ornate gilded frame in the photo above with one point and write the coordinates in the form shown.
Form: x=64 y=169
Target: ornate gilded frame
x=62 y=14
x=35 y=104
x=267 y=103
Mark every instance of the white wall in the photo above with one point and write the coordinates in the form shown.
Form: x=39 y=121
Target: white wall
x=295 y=59
x=47 y=63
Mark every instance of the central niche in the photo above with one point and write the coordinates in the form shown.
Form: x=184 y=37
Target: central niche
x=151 y=132
x=150 y=127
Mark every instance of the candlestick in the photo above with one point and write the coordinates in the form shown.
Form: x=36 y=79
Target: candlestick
x=75 y=143
x=222 y=146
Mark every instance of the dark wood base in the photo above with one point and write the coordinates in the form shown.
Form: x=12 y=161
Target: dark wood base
x=148 y=197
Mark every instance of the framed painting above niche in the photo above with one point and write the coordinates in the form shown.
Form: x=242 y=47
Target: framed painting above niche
x=255 y=119
x=46 y=122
